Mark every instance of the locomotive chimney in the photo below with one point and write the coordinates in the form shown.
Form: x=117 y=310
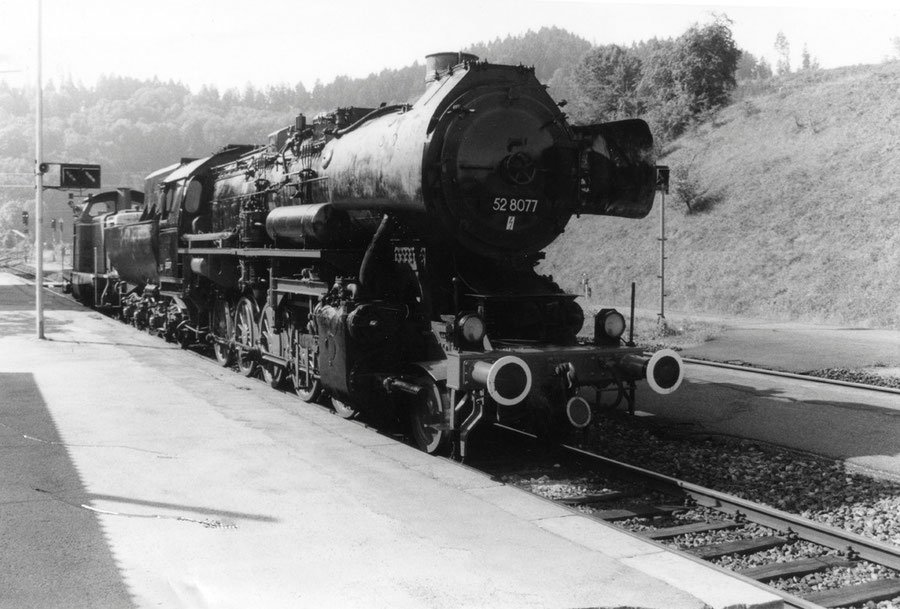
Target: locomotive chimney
x=440 y=62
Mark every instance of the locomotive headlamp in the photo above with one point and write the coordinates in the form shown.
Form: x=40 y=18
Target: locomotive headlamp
x=609 y=325
x=471 y=328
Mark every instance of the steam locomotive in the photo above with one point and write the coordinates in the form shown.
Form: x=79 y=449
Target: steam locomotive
x=385 y=257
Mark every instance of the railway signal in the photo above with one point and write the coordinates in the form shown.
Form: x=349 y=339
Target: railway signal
x=662 y=179
x=79 y=176
x=662 y=186
x=70 y=176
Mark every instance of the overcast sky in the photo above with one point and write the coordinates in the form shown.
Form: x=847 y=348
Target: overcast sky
x=230 y=43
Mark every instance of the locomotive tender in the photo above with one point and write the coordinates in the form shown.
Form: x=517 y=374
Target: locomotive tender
x=385 y=257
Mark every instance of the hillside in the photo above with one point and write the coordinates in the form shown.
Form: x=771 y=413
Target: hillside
x=801 y=218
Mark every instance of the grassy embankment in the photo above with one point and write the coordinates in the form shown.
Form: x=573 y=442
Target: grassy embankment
x=800 y=218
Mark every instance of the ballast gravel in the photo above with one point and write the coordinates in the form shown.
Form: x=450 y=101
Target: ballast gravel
x=889 y=377
x=820 y=489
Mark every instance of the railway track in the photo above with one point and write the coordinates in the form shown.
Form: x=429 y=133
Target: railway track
x=791 y=375
x=650 y=514
x=28 y=274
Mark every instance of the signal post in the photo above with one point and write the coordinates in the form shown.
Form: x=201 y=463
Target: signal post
x=71 y=176
x=662 y=186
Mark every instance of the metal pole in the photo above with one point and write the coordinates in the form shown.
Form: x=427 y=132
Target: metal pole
x=662 y=257
x=39 y=190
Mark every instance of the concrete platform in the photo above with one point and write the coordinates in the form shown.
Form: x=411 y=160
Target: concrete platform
x=134 y=474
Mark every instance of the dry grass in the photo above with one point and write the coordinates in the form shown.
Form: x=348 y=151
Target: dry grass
x=806 y=223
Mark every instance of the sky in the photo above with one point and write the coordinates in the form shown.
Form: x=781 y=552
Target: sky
x=232 y=43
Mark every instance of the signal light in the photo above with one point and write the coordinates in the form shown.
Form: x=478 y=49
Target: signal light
x=609 y=325
x=471 y=328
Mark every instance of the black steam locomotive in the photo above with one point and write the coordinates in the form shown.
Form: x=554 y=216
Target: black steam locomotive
x=386 y=257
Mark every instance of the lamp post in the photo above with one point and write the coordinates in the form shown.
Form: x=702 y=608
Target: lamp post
x=39 y=190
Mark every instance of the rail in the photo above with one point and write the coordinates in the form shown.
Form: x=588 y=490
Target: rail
x=788 y=527
x=809 y=530
x=791 y=375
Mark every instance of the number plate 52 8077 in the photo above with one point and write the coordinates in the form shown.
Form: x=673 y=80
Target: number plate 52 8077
x=515 y=205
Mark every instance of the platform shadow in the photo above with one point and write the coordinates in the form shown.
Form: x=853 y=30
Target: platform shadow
x=55 y=549
x=56 y=555
x=186 y=509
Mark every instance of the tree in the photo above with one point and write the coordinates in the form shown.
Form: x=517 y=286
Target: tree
x=783 y=48
x=752 y=68
x=667 y=107
x=688 y=77
x=746 y=68
x=706 y=60
x=547 y=49
x=808 y=62
x=208 y=95
x=606 y=82
x=763 y=69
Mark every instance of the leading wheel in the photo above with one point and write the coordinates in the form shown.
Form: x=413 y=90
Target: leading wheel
x=245 y=325
x=343 y=409
x=220 y=327
x=270 y=343
x=307 y=387
x=425 y=412
x=184 y=335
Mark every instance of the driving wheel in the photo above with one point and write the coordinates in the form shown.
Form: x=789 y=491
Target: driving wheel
x=245 y=326
x=220 y=326
x=423 y=413
x=270 y=343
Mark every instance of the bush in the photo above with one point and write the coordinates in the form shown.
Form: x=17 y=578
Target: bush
x=688 y=189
